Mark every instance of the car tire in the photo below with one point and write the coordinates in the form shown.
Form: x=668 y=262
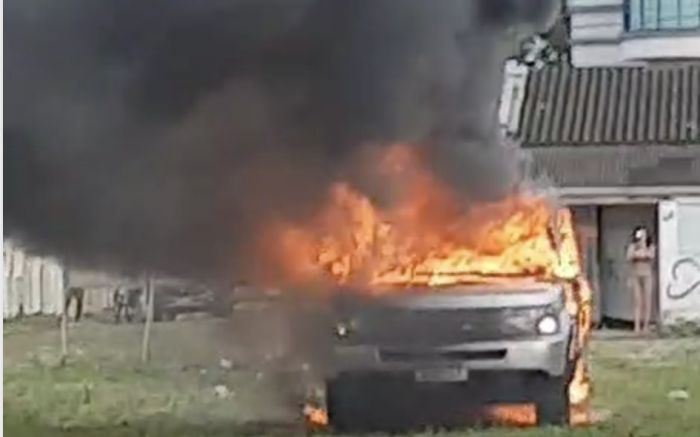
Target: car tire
x=343 y=413
x=552 y=404
x=349 y=403
x=362 y=404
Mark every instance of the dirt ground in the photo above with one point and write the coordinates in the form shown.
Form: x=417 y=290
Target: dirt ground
x=195 y=385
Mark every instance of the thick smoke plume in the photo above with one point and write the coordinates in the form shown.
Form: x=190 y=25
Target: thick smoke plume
x=157 y=135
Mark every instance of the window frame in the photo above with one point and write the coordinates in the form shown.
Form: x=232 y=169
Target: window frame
x=636 y=22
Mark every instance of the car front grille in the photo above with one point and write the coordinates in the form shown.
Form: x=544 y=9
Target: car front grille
x=413 y=329
x=407 y=356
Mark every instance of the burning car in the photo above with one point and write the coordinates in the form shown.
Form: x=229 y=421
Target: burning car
x=488 y=301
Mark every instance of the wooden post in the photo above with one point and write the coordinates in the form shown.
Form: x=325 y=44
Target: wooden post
x=64 y=327
x=146 y=344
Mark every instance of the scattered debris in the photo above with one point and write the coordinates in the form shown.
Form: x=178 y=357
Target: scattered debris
x=225 y=364
x=600 y=415
x=678 y=395
x=199 y=315
x=221 y=391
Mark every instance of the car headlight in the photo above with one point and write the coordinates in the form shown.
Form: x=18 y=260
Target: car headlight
x=342 y=330
x=345 y=328
x=548 y=325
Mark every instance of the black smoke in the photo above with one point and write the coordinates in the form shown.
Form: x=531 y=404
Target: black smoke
x=157 y=134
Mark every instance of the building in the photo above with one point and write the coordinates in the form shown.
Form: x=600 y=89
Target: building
x=33 y=285
x=618 y=133
x=633 y=32
x=99 y=287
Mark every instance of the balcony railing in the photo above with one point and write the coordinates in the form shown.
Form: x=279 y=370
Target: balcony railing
x=661 y=15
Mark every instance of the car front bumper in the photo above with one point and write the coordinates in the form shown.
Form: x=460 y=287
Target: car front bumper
x=542 y=354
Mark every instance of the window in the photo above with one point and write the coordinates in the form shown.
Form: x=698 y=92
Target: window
x=654 y=15
x=688 y=230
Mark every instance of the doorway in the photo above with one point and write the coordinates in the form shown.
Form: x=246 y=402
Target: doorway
x=616 y=225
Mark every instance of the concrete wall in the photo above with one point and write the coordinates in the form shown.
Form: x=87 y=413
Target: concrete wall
x=99 y=287
x=597 y=23
x=679 y=259
x=586 y=223
x=33 y=285
x=678 y=235
x=512 y=96
x=660 y=45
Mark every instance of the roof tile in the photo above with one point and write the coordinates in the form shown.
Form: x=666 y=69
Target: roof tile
x=612 y=105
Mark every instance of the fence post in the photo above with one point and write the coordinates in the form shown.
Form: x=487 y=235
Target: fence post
x=64 y=327
x=145 y=345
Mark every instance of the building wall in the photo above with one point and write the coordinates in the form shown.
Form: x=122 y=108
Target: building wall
x=33 y=285
x=512 y=96
x=679 y=259
x=595 y=55
x=596 y=21
x=676 y=226
x=603 y=33
x=99 y=287
x=586 y=223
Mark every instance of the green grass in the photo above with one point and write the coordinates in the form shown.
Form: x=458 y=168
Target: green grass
x=104 y=391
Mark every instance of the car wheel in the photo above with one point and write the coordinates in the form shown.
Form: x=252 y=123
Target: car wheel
x=360 y=404
x=553 y=402
x=349 y=402
x=342 y=413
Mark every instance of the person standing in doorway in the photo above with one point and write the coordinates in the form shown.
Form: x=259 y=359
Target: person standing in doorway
x=641 y=254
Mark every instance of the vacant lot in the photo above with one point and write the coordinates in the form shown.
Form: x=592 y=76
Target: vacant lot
x=188 y=390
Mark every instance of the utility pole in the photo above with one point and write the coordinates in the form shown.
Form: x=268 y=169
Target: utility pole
x=146 y=344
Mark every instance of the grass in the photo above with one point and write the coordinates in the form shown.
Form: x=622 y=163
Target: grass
x=105 y=391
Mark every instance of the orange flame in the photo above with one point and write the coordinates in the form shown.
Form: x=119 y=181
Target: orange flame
x=520 y=415
x=429 y=236
x=315 y=417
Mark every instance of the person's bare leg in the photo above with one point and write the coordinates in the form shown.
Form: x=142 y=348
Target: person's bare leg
x=636 y=289
x=648 y=303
